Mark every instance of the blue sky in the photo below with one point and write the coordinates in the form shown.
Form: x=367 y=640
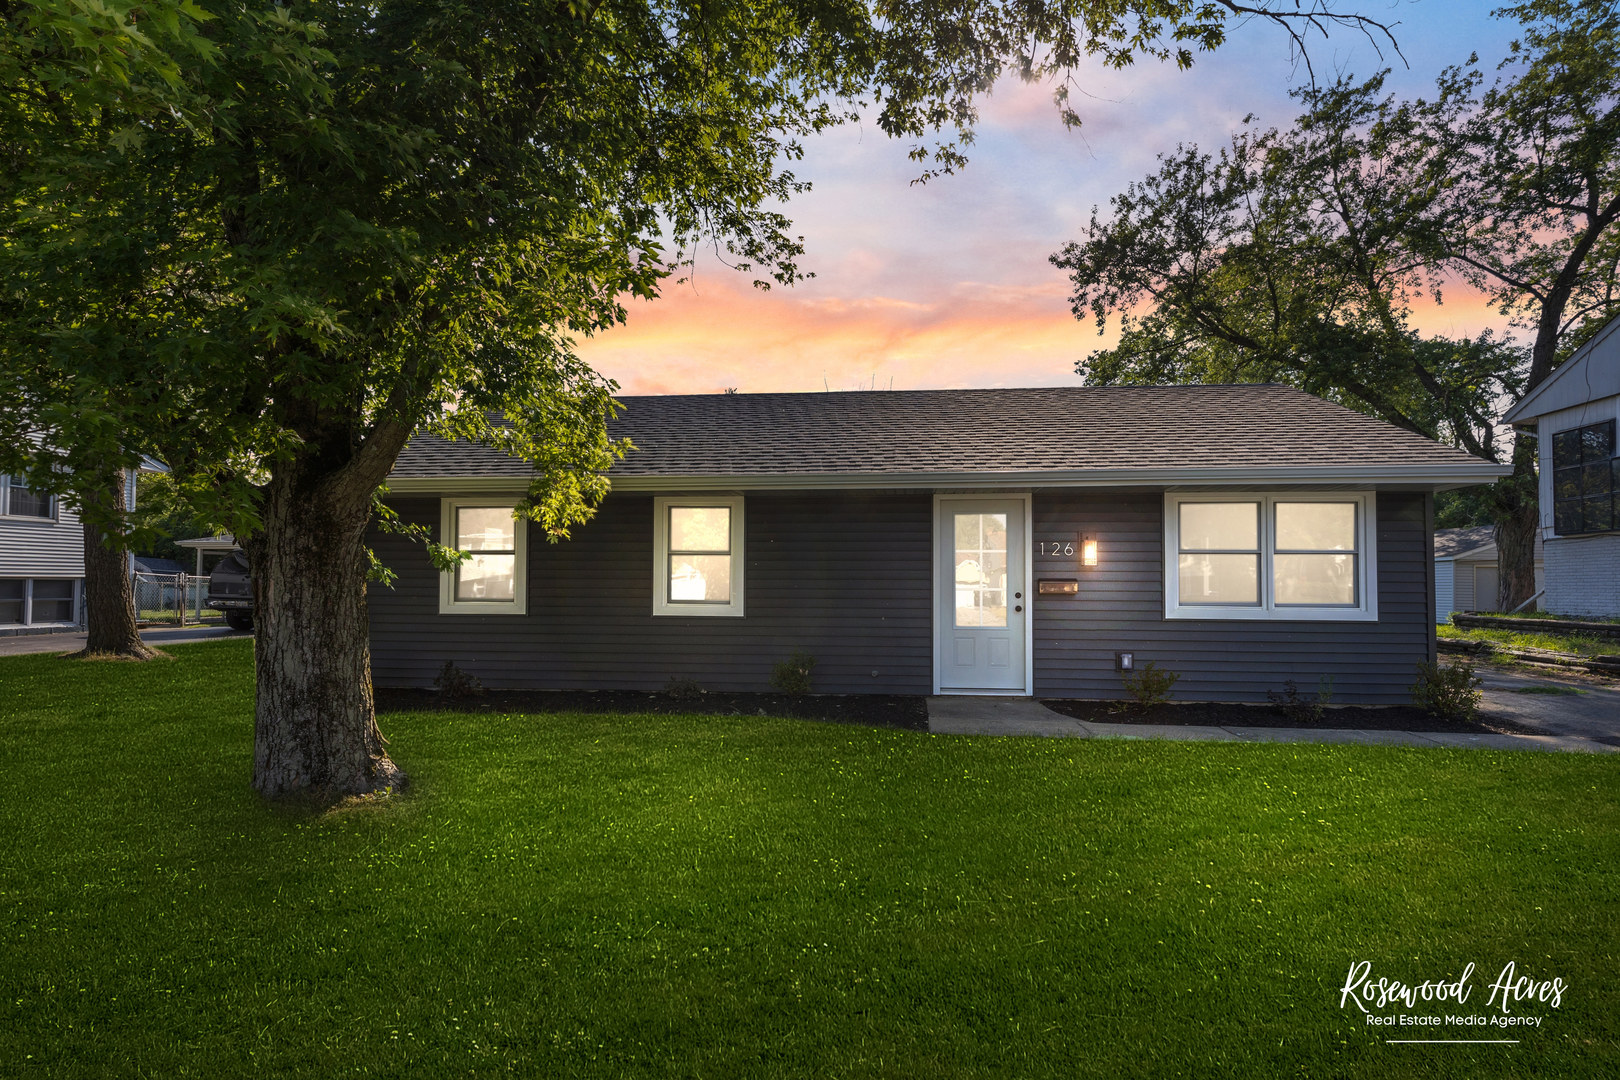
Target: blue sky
x=948 y=284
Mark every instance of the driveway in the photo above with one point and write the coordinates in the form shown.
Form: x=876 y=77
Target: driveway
x=1556 y=705
x=19 y=644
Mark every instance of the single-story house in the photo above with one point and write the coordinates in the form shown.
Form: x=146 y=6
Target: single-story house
x=1017 y=541
x=1573 y=414
x=1465 y=570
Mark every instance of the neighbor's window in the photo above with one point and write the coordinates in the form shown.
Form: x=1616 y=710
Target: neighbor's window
x=1268 y=556
x=698 y=545
x=52 y=601
x=492 y=580
x=13 y=592
x=1586 y=480
x=18 y=501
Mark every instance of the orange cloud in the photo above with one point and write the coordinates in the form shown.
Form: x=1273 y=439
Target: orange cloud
x=727 y=334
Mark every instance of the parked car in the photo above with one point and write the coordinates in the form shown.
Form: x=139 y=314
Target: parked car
x=230 y=589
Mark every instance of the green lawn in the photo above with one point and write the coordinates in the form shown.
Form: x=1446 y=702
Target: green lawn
x=1579 y=644
x=734 y=897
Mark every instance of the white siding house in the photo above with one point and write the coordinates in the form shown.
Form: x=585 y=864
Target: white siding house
x=1574 y=414
x=41 y=561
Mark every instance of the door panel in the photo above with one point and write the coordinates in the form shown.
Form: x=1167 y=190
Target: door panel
x=982 y=599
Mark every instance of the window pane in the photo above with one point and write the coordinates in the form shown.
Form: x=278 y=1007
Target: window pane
x=967 y=532
x=1216 y=526
x=1316 y=526
x=1597 y=442
x=700 y=528
x=1315 y=579
x=487 y=577
x=995 y=532
x=11 y=601
x=1596 y=515
x=1220 y=579
x=485 y=528
x=53 y=601
x=1567 y=484
x=1595 y=478
x=25 y=503
x=1567 y=517
x=992 y=607
x=699 y=579
x=1566 y=449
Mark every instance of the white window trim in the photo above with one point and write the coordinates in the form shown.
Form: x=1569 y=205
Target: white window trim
x=448 y=604
x=1366 y=562
x=662 y=605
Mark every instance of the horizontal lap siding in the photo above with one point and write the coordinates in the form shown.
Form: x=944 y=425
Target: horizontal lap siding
x=844 y=577
x=1121 y=608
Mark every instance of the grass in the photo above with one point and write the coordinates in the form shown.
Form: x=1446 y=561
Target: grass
x=1577 y=644
x=1548 y=615
x=1551 y=691
x=736 y=897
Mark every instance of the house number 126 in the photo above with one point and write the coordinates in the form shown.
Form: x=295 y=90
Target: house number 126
x=1057 y=547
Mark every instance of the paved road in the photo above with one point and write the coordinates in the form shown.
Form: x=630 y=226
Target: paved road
x=57 y=643
x=1588 y=707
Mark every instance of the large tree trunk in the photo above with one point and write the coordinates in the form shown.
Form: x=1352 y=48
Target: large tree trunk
x=108 y=593
x=315 y=732
x=1516 y=509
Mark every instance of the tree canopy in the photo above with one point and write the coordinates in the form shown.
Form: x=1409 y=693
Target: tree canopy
x=269 y=244
x=1297 y=255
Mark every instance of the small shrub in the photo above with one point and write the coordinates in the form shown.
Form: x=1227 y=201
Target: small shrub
x=1302 y=710
x=792 y=676
x=1148 y=685
x=1449 y=691
x=683 y=689
x=457 y=685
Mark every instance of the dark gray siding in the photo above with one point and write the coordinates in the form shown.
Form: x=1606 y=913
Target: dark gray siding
x=1121 y=607
x=847 y=578
x=843 y=576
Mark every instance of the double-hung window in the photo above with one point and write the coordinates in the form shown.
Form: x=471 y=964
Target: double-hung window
x=17 y=500
x=492 y=581
x=1282 y=556
x=698 y=555
x=1586 y=480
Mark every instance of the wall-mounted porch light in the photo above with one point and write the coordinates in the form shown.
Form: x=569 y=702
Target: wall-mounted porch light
x=1088 y=549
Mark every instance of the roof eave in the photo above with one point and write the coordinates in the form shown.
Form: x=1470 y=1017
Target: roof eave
x=1431 y=476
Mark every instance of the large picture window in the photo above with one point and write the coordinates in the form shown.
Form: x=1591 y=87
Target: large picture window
x=1586 y=480
x=493 y=580
x=1272 y=556
x=697 y=565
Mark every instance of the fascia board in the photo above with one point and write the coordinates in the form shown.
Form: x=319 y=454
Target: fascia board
x=1418 y=475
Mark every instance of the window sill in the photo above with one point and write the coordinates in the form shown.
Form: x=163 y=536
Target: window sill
x=1275 y=615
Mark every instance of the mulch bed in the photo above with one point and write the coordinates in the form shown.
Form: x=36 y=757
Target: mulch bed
x=1229 y=714
x=904 y=711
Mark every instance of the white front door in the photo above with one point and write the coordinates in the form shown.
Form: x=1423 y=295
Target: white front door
x=982 y=599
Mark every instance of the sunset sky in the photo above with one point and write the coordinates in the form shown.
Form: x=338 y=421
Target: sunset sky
x=948 y=284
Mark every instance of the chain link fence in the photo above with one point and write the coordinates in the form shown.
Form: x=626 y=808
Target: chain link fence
x=172 y=600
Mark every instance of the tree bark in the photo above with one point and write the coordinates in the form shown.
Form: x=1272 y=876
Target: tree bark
x=1516 y=506
x=315 y=729
x=108 y=592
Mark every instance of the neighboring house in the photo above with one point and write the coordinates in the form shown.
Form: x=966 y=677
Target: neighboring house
x=1465 y=570
x=972 y=541
x=41 y=561
x=1573 y=414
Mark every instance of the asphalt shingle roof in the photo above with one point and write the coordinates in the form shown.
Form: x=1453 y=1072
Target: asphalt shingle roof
x=1449 y=543
x=990 y=431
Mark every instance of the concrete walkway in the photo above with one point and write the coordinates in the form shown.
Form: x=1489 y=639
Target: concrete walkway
x=19 y=644
x=1024 y=716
